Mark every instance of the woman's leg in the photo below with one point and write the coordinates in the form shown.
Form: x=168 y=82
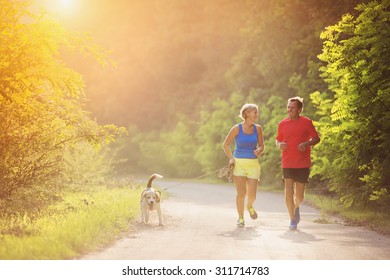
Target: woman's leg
x=240 y=183
x=252 y=191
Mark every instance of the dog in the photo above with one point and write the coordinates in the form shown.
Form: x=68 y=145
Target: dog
x=150 y=200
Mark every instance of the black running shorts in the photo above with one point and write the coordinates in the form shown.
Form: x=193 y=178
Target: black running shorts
x=300 y=175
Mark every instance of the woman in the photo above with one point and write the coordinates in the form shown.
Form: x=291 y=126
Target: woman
x=248 y=137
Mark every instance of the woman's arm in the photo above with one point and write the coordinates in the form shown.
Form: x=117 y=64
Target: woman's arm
x=260 y=141
x=228 y=141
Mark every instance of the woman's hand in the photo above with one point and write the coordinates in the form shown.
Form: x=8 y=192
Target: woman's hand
x=258 y=152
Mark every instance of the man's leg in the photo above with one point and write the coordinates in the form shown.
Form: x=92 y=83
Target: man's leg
x=299 y=196
x=299 y=193
x=289 y=196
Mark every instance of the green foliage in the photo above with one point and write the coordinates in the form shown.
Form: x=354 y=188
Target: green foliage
x=169 y=153
x=355 y=116
x=41 y=118
x=84 y=165
x=281 y=44
x=180 y=146
x=214 y=127
x=271 y=114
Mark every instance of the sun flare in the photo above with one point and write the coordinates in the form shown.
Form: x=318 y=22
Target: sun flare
x=62 y=9
x=66 y=3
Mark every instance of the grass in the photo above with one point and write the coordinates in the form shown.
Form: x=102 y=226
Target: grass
x=80 y=223
x=332 y=210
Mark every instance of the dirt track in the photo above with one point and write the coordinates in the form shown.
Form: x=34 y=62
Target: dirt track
x=200 y=223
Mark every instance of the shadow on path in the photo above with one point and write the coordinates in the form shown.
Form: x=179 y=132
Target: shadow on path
x=299 y=236
x=244 y=233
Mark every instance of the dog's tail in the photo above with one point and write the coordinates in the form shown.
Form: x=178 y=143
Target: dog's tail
x=154 y=176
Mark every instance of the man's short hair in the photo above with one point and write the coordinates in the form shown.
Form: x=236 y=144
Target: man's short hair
x=297 y=99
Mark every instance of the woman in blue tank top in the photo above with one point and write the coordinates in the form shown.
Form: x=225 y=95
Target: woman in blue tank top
x=249 y=145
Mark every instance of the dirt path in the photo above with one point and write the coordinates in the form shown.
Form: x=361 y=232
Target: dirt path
x=200 y=223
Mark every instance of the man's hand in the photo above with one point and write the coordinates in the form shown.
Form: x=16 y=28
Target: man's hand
x=303 y=146
x=282 y=145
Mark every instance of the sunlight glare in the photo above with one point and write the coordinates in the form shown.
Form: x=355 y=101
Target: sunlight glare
x=66 y=3
x=62 y=9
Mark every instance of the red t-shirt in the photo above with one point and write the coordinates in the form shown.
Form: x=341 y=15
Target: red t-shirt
x=294 y=132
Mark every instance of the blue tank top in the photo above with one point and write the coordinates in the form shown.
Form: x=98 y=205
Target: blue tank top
x=245 y=143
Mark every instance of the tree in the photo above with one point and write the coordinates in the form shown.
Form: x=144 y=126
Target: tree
x=279 y=60
x=355 y=115
x=41 y=116
x=215 y=125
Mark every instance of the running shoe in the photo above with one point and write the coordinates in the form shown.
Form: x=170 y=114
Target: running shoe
x=297 y=216
x=293 y=225
x=240 y=222
x=252 y=212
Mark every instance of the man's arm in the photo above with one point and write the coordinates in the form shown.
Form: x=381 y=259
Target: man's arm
x=304 y=145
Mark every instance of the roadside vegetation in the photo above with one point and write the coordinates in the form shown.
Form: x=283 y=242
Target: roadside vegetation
x=81 y=222
x=333 y=211
x=54 y=159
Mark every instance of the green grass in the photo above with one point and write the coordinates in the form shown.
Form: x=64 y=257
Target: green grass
x=331 y=211
x=80 y=223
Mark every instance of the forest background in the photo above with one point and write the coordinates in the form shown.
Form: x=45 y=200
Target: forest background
x=176 y=75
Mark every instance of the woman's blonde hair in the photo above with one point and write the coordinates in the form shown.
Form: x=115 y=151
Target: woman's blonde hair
x=247 y=108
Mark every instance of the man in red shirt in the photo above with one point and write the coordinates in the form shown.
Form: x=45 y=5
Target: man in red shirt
x=296 y=135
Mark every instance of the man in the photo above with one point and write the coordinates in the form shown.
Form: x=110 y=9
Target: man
x=296 y=135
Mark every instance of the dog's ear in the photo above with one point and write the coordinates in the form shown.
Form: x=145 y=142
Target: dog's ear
x=143 y=194
x=158 y=195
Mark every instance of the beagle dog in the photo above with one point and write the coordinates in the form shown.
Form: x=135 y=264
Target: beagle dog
x=150 y=200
